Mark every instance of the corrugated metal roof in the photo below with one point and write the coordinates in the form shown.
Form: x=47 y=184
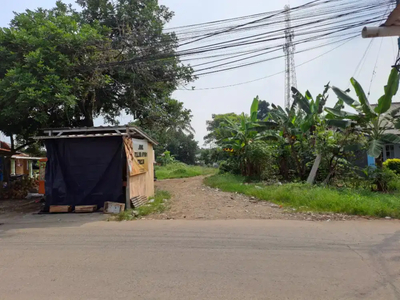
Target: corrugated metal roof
x=90 y=132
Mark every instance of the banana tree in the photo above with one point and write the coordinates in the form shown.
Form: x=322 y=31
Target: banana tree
x=248 y=130
x=375 y=122
x=312 y=111
x=289 y=122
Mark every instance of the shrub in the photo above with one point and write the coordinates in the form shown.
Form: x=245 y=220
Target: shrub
x=166 y=158
x=231 y=165
x=260 y=160
x=394 y=185
x=393 y=164
x=181 y=170
x=305 y=197
x=19 y=188
x=157 y=205
x=384 y=180
x=255 y=160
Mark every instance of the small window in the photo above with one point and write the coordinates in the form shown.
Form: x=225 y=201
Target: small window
x=389 y=151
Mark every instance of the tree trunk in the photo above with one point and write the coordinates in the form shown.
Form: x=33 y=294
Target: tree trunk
x=88 y=114
x=296 y=160
x=379 y=183
x=379 y=162
x=283 y=168
x=87 y=122
x=86 y=109
x=332 y=170
x=314 y=170
x=7 y=169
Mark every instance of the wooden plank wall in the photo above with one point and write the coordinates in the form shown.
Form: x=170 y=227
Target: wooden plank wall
x=21 y=167
x=143 y=184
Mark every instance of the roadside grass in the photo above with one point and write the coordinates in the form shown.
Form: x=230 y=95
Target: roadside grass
x=156 y=206
x=181 y=170
x=305 y=197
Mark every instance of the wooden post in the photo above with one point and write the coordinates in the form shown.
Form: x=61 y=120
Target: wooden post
x=128 y=175
x=12 y=166
x=1 y=169
x=30 y=168
x=128 y=189
x=314 y=170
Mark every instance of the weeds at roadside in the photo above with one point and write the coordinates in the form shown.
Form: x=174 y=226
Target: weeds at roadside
x=157 y=204
x=181 y=170
x=305 y=197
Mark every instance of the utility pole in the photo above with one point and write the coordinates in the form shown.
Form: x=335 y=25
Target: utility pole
x=390 y=28
x=290 y=67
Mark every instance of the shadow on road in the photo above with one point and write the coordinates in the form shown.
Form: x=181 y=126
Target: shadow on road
x=36 y=220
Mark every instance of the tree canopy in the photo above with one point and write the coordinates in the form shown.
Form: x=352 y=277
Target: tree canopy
x=60 y=67
x=141 y=77
x=218 y=133
x=170 y=125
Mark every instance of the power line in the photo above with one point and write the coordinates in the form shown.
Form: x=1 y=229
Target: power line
x=279 y=35
x=279 y=46
x=269 y=76
x=266 y=15
x=341 y=29
x=374 y=70
x=314 y=21
x=362 y=61
x=362 y=58
x=252 y=63
x=229 y=44
x=333 y=5
x=393 y=49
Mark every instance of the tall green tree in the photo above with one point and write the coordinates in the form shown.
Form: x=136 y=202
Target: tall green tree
x=169 y=116
x=64 y=68
x=44 y=81
x=183 y=147
x=374 y=123
x=216 y=132
x=170 y=125
x=146 y=69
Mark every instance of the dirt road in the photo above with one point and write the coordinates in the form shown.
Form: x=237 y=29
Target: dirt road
x=194 y=201
x=181 y=259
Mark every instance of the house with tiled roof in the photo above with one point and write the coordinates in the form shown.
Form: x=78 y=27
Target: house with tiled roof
x=21 y=163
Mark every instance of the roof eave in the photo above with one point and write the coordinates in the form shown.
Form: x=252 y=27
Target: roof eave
x=88 y=132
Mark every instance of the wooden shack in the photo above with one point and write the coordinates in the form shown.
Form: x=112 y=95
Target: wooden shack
x=94 y=165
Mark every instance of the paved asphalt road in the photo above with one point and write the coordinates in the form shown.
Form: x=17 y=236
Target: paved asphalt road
x=50 y=258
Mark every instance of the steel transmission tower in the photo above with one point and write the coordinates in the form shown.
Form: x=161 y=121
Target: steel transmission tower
x=290 y=67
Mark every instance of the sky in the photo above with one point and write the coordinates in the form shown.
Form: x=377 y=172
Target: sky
x=336 y=67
